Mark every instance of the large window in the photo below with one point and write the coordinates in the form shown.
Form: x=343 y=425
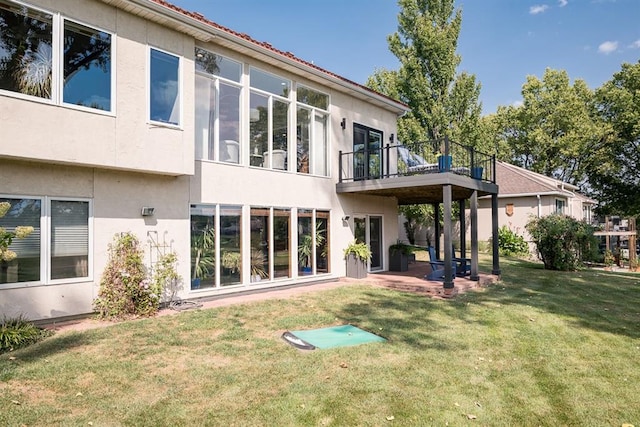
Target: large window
x=312 y=133
x=218 y=94
x=269 y=120
x=58 y=247
x=29 y=54
x=164 y=87
x=313 y=242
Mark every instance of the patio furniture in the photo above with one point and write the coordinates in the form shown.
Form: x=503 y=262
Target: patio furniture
x=414 y=162
x=463 y=265
x=437 y=266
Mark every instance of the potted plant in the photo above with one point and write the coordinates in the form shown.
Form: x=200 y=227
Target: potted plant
x=399 y=254
x=202 y=255
x=231 y=261
x=305 y=249
x=258 y=271
x=357 y=256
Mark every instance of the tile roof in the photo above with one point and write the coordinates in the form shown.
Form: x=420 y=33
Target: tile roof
x=201 y=18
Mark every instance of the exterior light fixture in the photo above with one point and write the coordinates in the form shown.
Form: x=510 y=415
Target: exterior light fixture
x=148 y=211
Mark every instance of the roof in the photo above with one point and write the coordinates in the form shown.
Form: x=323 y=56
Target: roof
x=201 y=28
x=515 y=181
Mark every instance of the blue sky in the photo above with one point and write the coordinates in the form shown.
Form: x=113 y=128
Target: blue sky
x=501 y=41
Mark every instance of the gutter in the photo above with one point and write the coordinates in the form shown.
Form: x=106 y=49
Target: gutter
x=210 y=32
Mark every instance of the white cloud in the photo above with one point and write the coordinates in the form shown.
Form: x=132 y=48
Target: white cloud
x=608 y=47
x=563 y=3
x=635 y=44
x=534 y=10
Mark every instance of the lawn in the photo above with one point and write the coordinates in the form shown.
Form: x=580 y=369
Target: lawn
x=537 y=349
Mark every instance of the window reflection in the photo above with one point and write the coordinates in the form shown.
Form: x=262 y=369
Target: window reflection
x=164 y=88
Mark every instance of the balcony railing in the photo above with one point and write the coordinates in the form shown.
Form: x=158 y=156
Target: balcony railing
x=438 y=156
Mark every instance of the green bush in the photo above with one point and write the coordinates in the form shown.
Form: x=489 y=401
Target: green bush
x=511 y=243
x=563 y=242
x=18 y=332
x=125 y=291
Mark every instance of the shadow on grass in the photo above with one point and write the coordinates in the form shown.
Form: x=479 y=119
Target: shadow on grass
x=598 y=300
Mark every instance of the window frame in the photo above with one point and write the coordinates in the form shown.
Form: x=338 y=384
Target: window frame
x=215 y=81
x=45 y=242
x=563 y=206
x=149 y=120
x=57 y=63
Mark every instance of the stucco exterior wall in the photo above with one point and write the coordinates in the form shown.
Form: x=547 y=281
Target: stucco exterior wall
x=124 y=139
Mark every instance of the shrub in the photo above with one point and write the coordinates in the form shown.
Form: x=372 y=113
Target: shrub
x=562 y=242
x=125 y=290
x=511 y=243
x=18 y=332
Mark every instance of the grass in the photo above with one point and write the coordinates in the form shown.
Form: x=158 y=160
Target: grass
x=537 y=349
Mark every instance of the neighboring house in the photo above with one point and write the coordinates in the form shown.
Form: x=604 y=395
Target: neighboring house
x=136 y=115
x=525 y=194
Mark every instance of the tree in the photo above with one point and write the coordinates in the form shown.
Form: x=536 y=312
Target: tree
x=417 y=216
x=442 y=102
x=553 y=131
x=614 y=172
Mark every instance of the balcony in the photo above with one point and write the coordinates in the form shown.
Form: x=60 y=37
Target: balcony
x=417 y=172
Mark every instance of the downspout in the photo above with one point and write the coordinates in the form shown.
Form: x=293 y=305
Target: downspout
x=539 y=206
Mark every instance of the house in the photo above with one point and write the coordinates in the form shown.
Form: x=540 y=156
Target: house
x=525 y=194
x=254 y=166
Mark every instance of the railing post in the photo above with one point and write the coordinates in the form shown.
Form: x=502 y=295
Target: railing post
x=493 y=166
x=340 y=165
x=387 y=159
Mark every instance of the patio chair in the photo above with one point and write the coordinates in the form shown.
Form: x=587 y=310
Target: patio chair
x=415 y=163
x=463 y=265
x=437 y=266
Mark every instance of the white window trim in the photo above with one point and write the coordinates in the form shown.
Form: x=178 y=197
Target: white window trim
x=555 y=206
x=155 y=123
x=57 y=56
x=45 y=243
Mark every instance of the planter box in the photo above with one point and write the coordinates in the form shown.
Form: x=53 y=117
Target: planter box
x=356 y=268
x=398 y=261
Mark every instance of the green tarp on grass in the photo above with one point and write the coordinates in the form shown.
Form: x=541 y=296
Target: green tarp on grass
x=336 y=336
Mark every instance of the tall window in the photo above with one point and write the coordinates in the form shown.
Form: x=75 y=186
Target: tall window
x=282 y=243
x=230 y=248
x=313 y=242
x=164 y=87
x=218 y=95
x=29 y=53
x=58 y=245
x=560 y=206
x=312 y=133
x=260 y=238
x=269 y=120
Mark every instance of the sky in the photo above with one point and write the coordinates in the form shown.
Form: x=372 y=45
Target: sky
x=501 y=41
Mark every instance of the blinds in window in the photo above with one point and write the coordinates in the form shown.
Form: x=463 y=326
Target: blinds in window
x=69 y=228
x=23 y=212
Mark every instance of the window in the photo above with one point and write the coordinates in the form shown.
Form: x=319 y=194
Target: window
x=58 y=247
x=29 y=54
x=313 y=242
x=218 y=95
x=312 y=133
x=269 y=120
x=560 y=206
x=87 y=66
x=164 y=87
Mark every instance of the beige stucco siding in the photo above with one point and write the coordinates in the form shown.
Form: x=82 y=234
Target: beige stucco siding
x=123 y=139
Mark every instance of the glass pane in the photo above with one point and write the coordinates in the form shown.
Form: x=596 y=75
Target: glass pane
x=269 y=82
x=280 y=135
x=305 y=242
x=360 y=230
x=25 y=50
x=218 y=65
x=258 y=129
x=281 y=243
x=374 y=149
x=375 y=241
x=312 y=97
x=230 y=249
x=259 y=244
x=229 y=123
x=203 y=249
x=87 y=67
x=69 y=239
x=22 y=262
x=164 y=83
x=204 y=118
x=302 y=138
x=322 y=242
x=320 y=166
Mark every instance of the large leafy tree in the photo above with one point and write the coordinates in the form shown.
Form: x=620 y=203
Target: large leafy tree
x=443 y=103
x=554 y=129
x=614 y=172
